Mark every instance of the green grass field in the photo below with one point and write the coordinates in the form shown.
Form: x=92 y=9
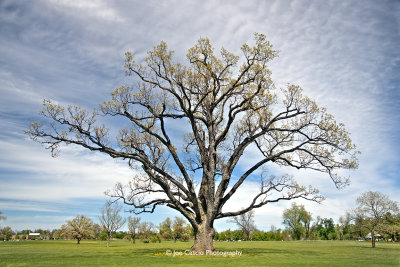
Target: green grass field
x=262 y=253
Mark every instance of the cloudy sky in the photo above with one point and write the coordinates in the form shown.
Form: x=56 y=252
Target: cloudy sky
x=345 y=54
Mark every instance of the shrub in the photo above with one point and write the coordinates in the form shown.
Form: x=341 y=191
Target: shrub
x=154 y=239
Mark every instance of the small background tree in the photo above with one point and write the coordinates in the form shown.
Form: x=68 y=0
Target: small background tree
x=133 y=226
x=390 y=228
x=297 y=220
x=246 y=223
x=96 y=230
x=325 y=228
x=179 y=229
x=166 y=229
x=78 y=228
x=344 y=227
x=6 y=233
x=56 y=234
x=146 y=230
x=110 y=218
x=2 y=218
x=372 y=210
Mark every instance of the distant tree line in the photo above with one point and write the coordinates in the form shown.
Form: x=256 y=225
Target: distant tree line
x=376 y=215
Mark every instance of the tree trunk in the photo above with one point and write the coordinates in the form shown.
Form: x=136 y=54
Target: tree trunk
x=79 y=241
x=108 y=241
x=204 y=235
x=373 y=238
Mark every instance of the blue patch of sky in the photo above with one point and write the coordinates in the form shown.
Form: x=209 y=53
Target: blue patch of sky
x=389 y=87
x=58 y=41
x=34 y=207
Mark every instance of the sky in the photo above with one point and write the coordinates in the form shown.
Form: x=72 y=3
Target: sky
x=344 y=54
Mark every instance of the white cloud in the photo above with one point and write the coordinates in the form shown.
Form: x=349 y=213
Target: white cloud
x=74 y=174
x=46 y=222
x=91 y=8
x=26 y=206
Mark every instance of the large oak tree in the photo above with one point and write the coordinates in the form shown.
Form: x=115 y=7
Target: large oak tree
x=228 y=106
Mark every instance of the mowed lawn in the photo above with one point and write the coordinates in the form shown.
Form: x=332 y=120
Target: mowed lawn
x=255 y=253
